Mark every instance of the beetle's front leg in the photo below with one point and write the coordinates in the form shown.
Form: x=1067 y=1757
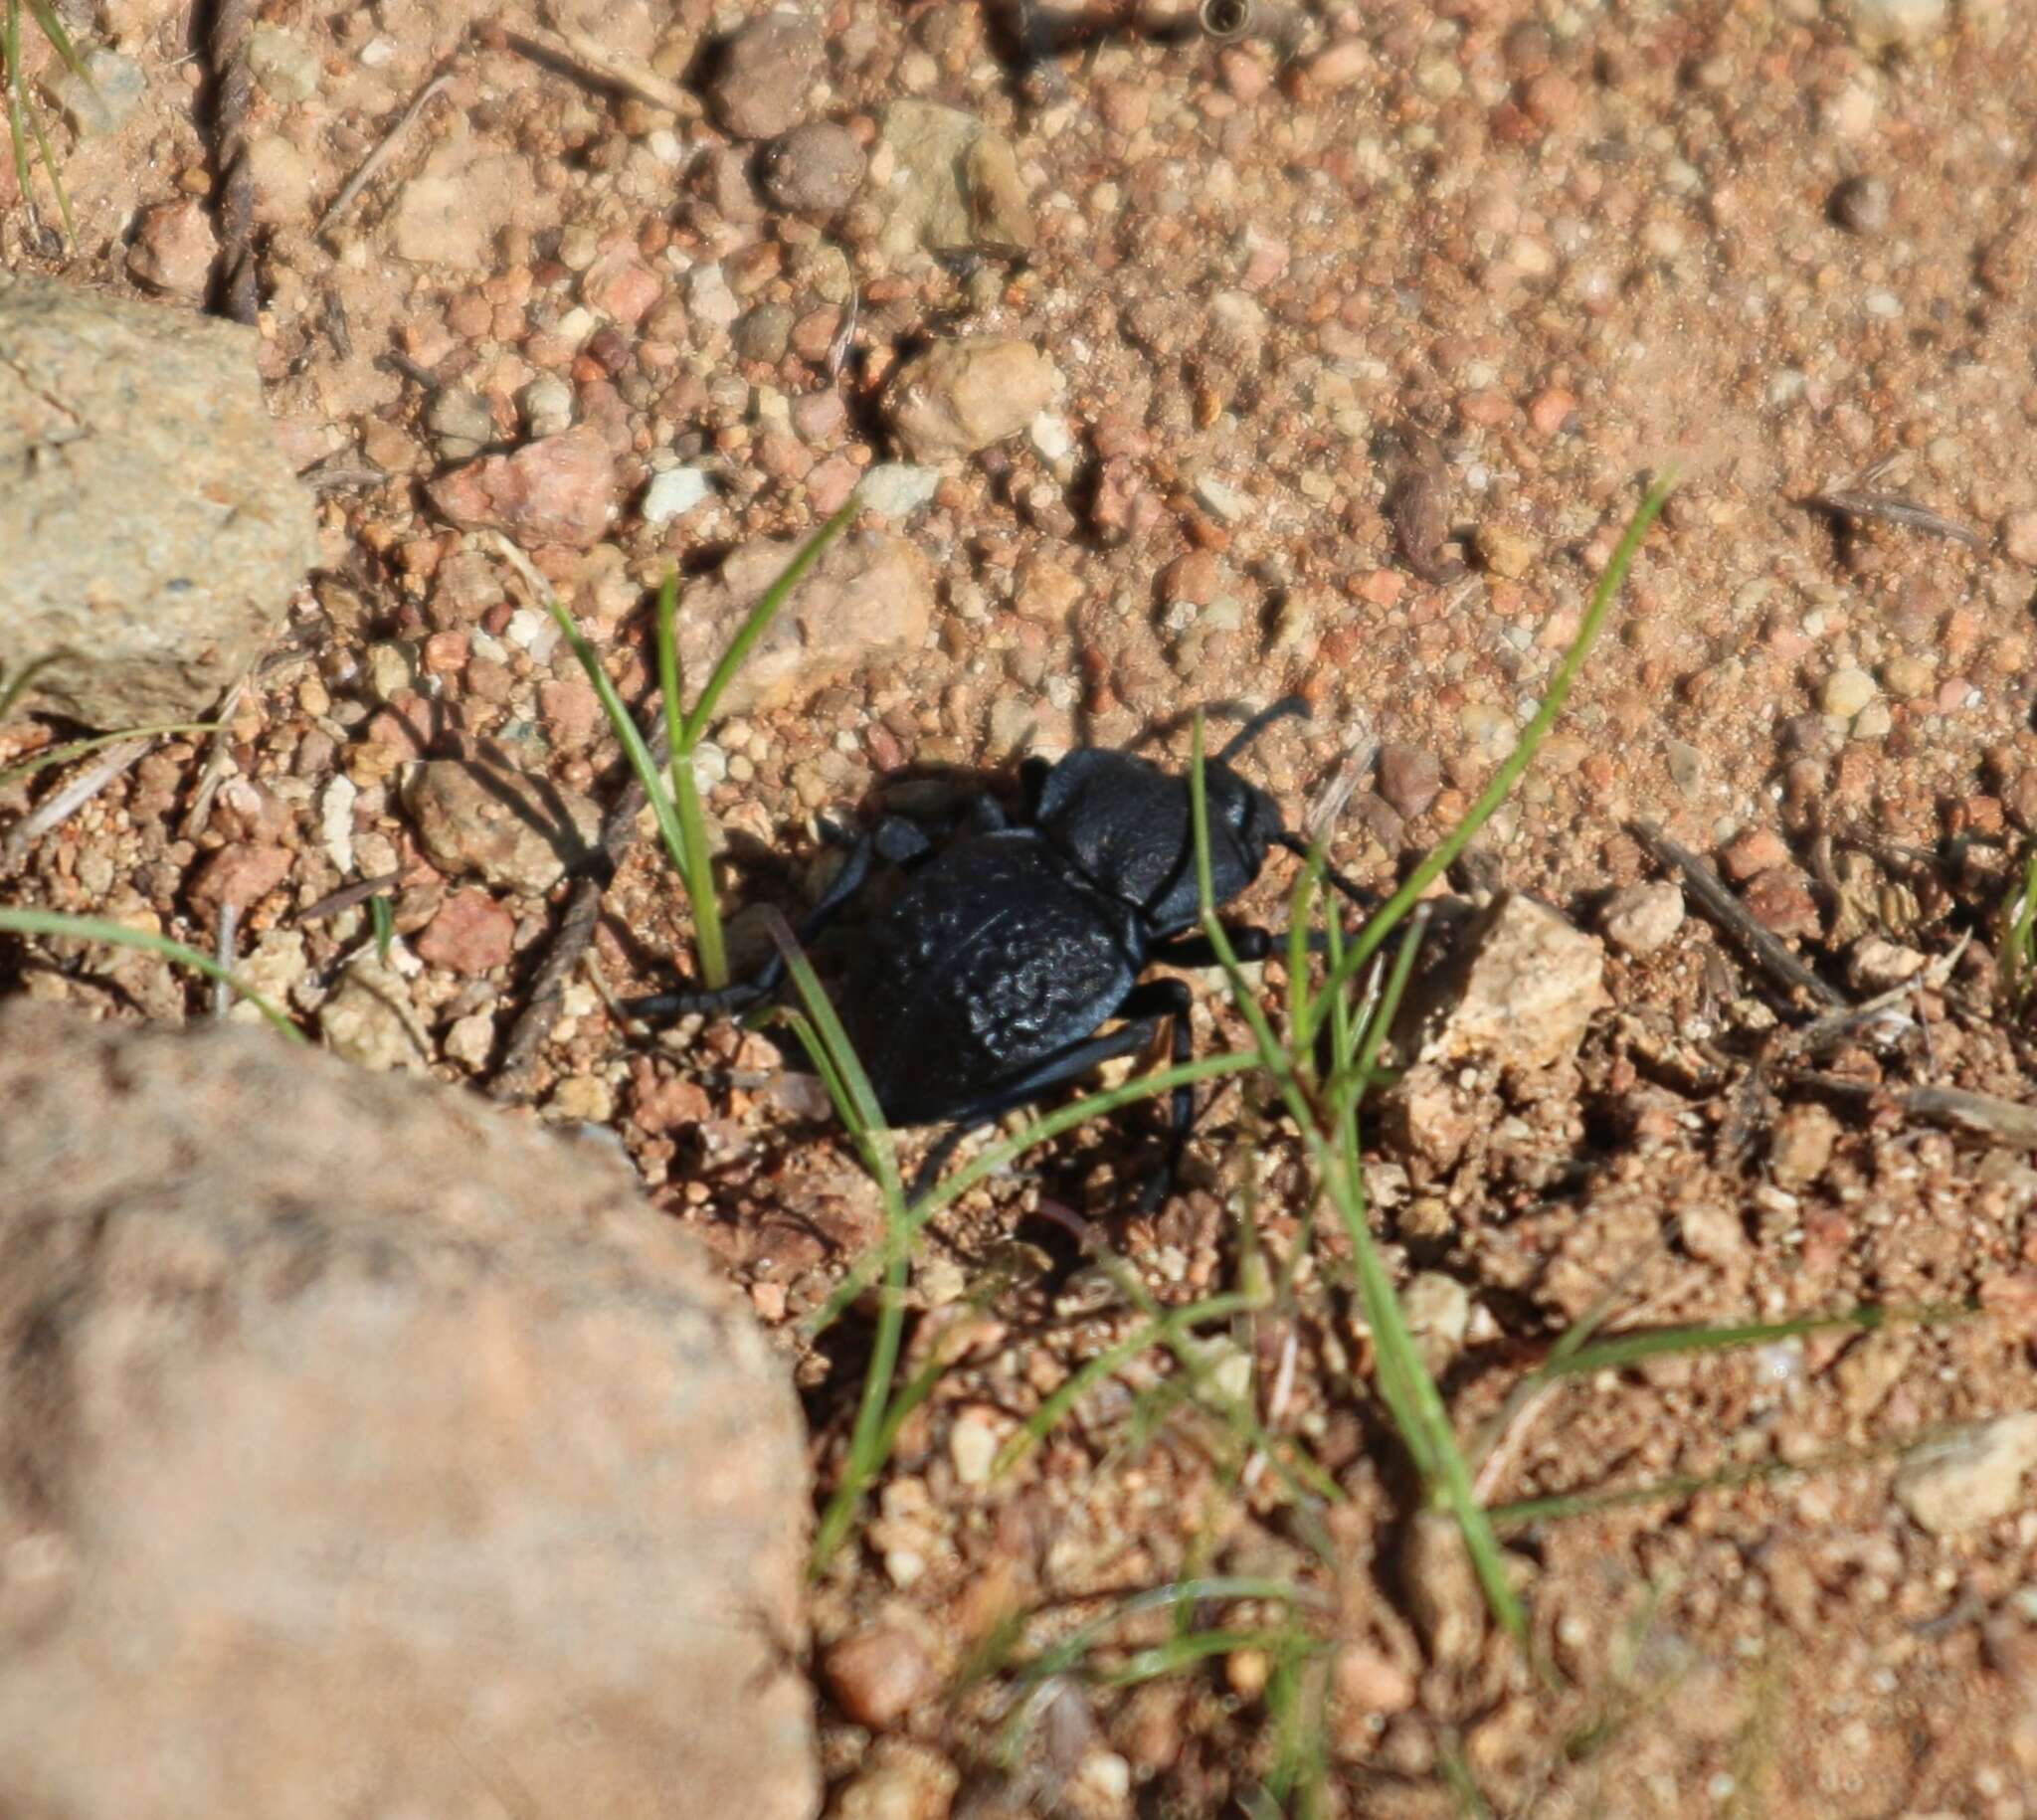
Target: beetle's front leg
x=886 y=840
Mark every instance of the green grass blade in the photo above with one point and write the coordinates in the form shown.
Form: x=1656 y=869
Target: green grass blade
x=1186 y=1652
x=17 y=103
x=119 y=934
x=761 y=615
x=1624 y=1349
x=875 y=1430
x=13 y=688
x=57 y=189
x=2017 y=966
x=383 y=919
x=862 y=1113
x=50 y=23
x=1410 y=1393
x=1509 y=773
x=1680 y=1486
x=694 y=860
x=1112 y=1360
x=1041 y=1131
x=1217 y=1588
x=77 y=748
x=624 y=723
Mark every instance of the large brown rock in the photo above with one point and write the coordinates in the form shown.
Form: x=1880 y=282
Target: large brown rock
x=362 y=1451
x=153 y=531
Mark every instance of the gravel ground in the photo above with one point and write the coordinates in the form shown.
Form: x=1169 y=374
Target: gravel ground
x=1179 y=372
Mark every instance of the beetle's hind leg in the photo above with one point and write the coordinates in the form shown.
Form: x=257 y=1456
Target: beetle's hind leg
x=1144 y=1007
x=892 y=838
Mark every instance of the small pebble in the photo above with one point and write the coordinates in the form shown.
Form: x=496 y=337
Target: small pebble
x=963 y=396
x=1909 y=678
x=878 y=1676
x=1409 y=778
x=899 y=488
x=471 y=934
x=766 y=69
x=1754 y=852
x=1643 y=918
x=973 y=1446
x=1802 y=1145
x=1846 y=691
x=673 y=493
x=1861 y=204
x=105 y=104
x=1966 y=1480
x=1781 y=901
x=2019 y=538
x=815 y=169
x=174 y=246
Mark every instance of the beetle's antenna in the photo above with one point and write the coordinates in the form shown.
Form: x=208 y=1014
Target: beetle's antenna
x=1288 y=706
x=1359 y=895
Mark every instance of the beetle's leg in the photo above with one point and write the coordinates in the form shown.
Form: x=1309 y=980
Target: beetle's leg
x=1143 y=1008
x=1359 y=895
x=1247 y=941
x=742 y=994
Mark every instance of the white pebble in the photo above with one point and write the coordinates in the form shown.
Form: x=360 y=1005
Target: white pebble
x=672 y=493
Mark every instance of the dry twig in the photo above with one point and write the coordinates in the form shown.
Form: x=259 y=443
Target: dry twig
x=234 y=85
x=1720 y=905
x=594 y=62
x=58 y=809
x=385 y=148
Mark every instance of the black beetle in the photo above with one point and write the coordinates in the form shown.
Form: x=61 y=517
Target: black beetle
x=983 y=986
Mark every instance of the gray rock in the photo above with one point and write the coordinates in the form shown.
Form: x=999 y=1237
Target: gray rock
x=370 y=1452
x=284 y=64
x=105 y=104
x=483 y=819
x=462 y=420
x=760 y=90
x=153 y=531
x=815 y=169
x=955 y=184
x=673 y=493
x=870 y=600
x=962 y=395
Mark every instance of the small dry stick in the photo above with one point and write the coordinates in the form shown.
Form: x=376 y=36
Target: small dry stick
x=1893 y=508
x=594 y=62
x=232 y=24
x=575 y=935
x=1732 y=915
x=385 y=150
x=216 y=760
x=56 y=810
x=1982 y=1114
x=347 y=897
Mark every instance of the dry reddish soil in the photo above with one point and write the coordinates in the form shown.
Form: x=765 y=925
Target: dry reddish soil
x=1367 y=337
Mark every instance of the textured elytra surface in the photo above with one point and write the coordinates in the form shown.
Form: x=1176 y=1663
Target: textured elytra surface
x=153 y=531
x=997 y=956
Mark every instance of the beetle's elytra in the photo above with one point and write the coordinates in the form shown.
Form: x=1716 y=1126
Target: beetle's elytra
x=987 y=983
